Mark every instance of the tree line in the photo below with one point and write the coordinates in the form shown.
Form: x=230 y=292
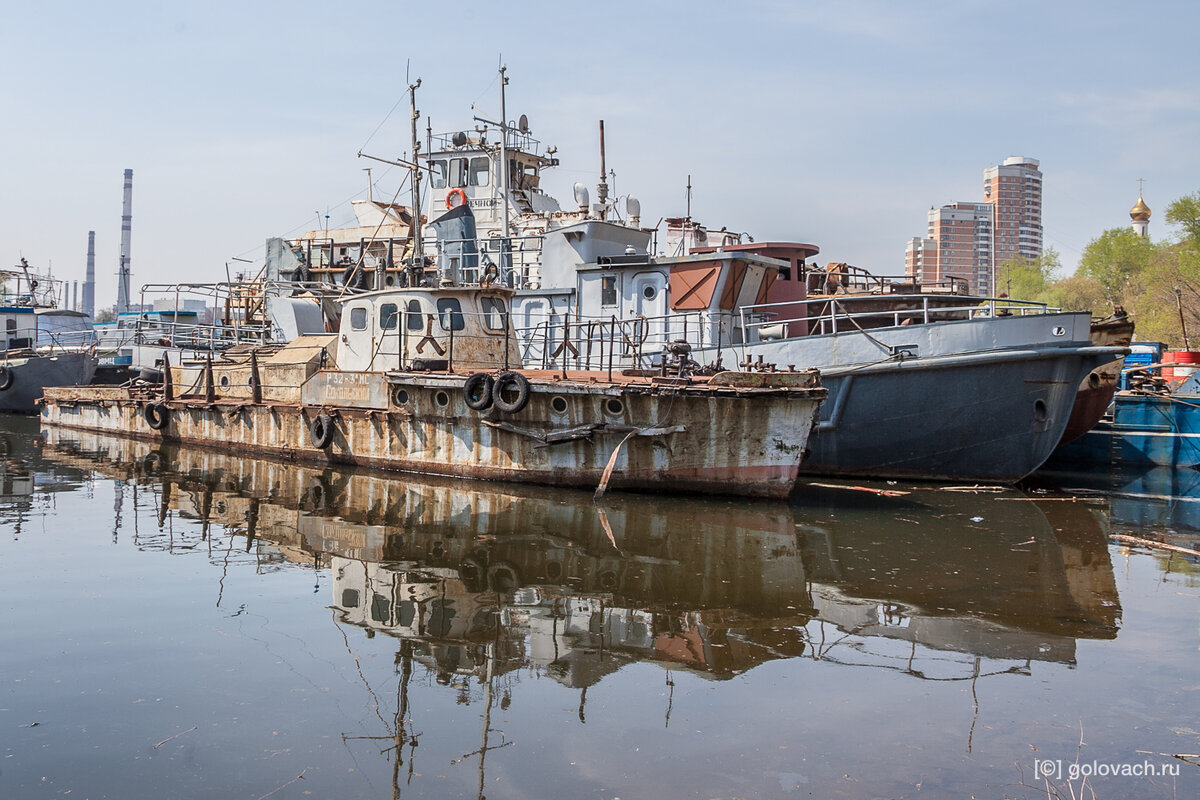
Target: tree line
x=1156 y=283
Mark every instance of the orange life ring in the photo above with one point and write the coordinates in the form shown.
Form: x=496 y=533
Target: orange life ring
x=461 y=194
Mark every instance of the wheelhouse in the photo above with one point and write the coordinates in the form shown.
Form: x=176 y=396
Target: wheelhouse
x=457 y=328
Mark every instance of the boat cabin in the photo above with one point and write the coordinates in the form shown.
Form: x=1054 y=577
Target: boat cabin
x=61 y=327
x=697 y=298
x=20 y=328
x=457 y=328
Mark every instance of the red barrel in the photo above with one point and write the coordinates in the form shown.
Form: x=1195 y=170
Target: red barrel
x=1188 y=362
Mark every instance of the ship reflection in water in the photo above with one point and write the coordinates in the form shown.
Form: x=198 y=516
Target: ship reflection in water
x=468 y=571
x=329 y=631
x=430 y=622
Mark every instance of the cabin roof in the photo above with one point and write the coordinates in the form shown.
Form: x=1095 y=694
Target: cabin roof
x=772 y=249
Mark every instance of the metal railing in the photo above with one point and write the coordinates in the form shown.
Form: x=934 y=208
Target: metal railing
x=585 y=343
x=836 y=314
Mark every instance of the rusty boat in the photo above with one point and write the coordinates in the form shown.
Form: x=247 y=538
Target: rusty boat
x=1098 y=386
x=427 y=379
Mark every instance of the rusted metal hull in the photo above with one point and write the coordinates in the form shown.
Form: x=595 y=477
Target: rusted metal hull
x=1098 y=387
x=1092 y=400
x=709 y=439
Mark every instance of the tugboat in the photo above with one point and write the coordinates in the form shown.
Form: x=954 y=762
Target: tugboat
x=924 y=382
x=428 y=379
x=42 y=345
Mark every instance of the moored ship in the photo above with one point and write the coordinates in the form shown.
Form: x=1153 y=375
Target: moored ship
x=425 y=380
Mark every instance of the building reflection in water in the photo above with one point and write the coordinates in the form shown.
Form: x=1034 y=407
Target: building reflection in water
x=482 y=582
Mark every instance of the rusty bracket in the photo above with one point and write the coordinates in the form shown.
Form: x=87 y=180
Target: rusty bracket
x=428 y=339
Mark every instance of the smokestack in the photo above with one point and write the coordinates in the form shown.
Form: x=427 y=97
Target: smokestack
x=89 y=282
x=126 y=227
x=74 y=295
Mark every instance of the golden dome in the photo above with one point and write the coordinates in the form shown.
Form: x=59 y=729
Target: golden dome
x=1140 y=212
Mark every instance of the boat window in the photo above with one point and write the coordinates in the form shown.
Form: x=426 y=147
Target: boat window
x=450 y=314
x=458 y=172
x=388 y=315
x=358 y=318
x=414 y=321
x=608 y=290
x=495 y=316
x=521 y=175
x=10 y=325
x=479 y=171
x=438 y=174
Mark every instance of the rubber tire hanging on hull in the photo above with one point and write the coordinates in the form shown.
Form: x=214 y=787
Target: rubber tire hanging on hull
x=479 y=390
x=6 y=378
x=520 y=383
x=157 y=415
x=320 y=431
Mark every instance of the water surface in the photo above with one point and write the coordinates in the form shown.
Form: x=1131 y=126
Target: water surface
x=181 y=623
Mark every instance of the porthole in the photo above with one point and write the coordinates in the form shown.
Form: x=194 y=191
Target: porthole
x=224 y=381
x=614 y=406
x=441 y=399
x=1040 y=414
x=558 y=404
x=399 y=396
x=649 y=292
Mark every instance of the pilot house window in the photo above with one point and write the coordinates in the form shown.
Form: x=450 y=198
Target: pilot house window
x=358 y=318
x=438 y=174
x=388 y=316
x=413 y=320
x=608 y=290
x=458 y=172
x=494 y=315
x=480 y=169
x=450 y=314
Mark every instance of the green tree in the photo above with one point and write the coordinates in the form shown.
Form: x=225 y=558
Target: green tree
x=1077 y=293
x=1116 y=260
x=1185 y=212
x=1028 y=279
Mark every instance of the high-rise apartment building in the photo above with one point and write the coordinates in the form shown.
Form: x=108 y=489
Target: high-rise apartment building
x=970 y=240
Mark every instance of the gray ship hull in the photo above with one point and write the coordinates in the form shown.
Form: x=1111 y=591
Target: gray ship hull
x=32 y=374
x=972 y=400
x=990 y=417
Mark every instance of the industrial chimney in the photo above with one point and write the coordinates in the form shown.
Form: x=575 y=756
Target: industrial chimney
x=126 y=226
x=89 y=282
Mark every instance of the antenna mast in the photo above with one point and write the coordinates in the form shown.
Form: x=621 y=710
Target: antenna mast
x=506 y=252
x=418 y=247
x=602 y=189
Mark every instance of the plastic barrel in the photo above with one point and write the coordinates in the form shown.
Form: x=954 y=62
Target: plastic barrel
x=1186 y=363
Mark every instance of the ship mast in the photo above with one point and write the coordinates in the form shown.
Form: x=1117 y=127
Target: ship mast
x=418 y=249
x=602 y=189
x=505 y=245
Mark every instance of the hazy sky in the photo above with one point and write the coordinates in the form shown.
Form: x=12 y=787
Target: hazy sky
x=838 y=124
